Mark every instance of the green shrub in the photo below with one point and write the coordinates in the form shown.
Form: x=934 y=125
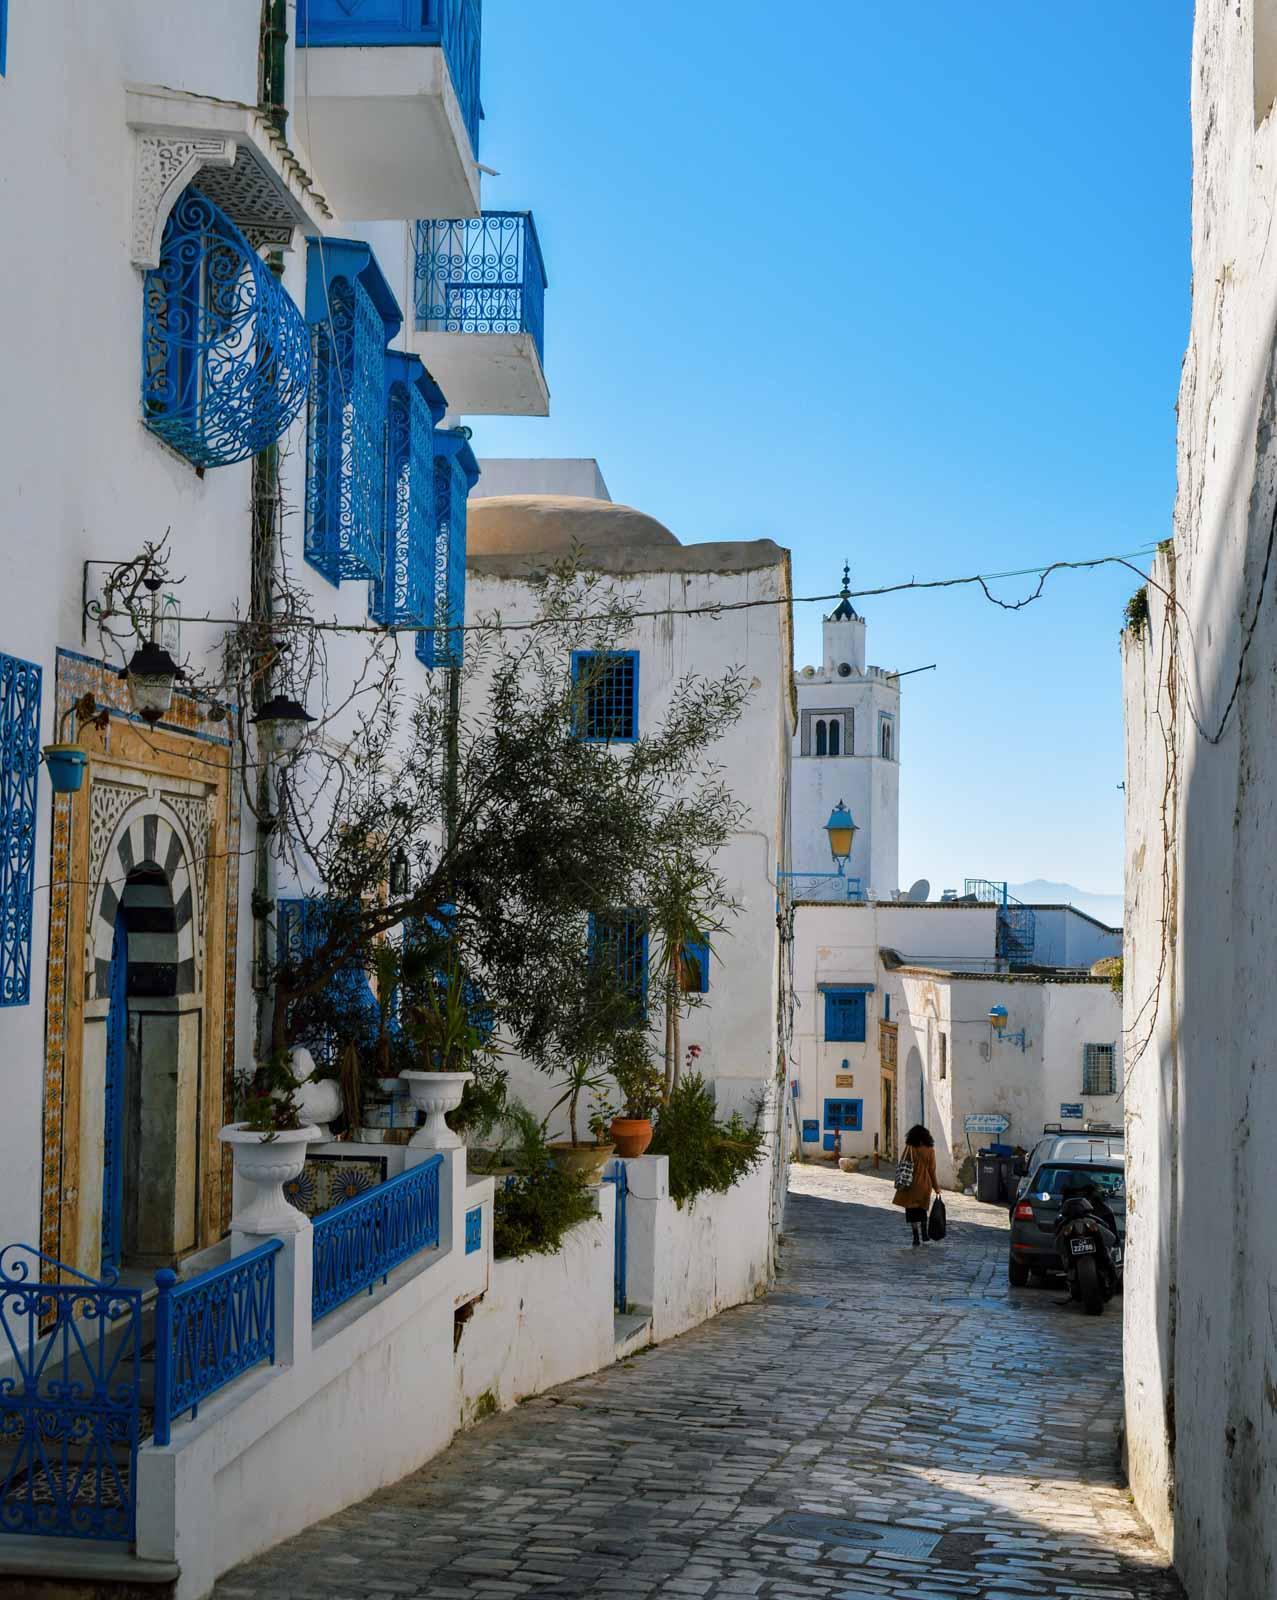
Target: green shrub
x=1137 y=612
x=704 y=1153
x=533 y=1210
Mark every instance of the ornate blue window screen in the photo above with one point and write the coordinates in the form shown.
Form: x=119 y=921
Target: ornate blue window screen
x=210 y=1330
x=225 y=355
x=455 y=26
x=406 y=593
x=19 y=769
x=481 y=275
x=845 y=1011
x=607 y=708
x=362 y=1240
x=456 y=473
x=302 y=928
x=353 y=316
x=620 y=939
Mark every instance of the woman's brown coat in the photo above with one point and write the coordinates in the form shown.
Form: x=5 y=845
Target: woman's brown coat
x=924 y=1179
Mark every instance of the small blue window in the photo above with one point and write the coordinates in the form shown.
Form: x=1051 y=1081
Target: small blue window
x=845 y=1015
x=474 y=1230
x=19 y=768
x=607 y=709
x=811 y=1131
x=620 y=939
x=844 y=1115
x=696 y=967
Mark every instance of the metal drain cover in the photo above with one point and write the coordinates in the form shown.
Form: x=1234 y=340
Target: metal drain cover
x=817 y=1529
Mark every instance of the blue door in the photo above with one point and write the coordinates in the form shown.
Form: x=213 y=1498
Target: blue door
x=117 y=1034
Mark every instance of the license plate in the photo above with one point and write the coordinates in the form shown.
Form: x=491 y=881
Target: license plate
x=1082 y=1247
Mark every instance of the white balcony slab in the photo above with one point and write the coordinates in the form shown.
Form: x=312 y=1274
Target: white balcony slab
x=485 y=374
x=385 y=131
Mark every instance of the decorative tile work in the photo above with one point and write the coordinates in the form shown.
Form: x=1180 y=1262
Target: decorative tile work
x=75 y=676
x=327 y=1181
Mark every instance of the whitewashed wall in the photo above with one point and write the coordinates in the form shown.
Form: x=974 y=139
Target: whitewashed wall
x=1066 y=937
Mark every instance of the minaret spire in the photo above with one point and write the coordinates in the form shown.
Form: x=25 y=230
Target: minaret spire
x=844 y=611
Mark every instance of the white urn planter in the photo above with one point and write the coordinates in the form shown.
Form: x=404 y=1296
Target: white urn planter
x=264 y=1163
x=435 y=1094
x=318 y=1101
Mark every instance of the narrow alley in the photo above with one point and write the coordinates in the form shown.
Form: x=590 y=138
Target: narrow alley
x=889 y=1424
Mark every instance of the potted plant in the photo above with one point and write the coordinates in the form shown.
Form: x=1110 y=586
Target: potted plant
x=641 y=1084
x=574 y=1155
x=268 y=1144
x=438 y=1020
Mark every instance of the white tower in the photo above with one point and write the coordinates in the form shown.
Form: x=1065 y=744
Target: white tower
x=847 y=748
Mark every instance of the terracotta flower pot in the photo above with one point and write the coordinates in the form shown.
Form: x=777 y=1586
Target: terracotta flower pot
x=582 y=1160
x=631 y=1135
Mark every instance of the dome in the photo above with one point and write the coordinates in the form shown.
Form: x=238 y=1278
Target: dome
x=551 y=524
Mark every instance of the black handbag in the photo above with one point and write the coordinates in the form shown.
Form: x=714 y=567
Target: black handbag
x=937 y=1222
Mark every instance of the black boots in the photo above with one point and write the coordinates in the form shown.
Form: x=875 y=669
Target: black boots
x=916 y=1240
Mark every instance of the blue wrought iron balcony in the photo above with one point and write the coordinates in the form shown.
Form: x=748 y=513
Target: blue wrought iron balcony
x=393 y=106
x=480 y=313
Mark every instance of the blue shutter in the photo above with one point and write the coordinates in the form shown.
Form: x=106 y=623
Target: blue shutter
x=698 y=954
x=456 y=473
x=404 y=595
x=19 y=766
x=847 y=1116
x=845 y=1016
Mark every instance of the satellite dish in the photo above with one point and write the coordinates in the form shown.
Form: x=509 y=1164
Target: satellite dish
x=920 y=893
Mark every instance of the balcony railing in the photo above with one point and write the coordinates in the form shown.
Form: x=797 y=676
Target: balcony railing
x=358 y=1243
x=481 y=275
x=455 y=26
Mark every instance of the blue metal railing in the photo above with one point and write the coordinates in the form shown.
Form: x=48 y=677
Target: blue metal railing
x=481 y=275
x=456 y=26
x=70 y=1400
x=1016 y=933
x=211 y=1330
x=360 y=1242
x=617 y=1176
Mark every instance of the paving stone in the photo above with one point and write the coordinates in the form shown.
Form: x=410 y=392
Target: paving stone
x=882 y=1387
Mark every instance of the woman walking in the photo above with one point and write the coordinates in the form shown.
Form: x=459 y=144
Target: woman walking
x=915 y=1197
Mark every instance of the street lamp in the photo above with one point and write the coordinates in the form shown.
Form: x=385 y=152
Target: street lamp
x=150 y=675
x=841 y=829
x=281 y=725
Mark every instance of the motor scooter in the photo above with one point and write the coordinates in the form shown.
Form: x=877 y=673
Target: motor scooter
x=1090 y=1252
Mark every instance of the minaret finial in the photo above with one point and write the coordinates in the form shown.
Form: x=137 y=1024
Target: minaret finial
x=844 y=611
x=846 y=580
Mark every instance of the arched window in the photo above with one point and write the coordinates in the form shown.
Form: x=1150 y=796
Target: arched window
x=822 y=738
x=835 y=733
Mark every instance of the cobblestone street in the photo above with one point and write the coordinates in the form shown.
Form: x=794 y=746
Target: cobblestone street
x=890 y=1424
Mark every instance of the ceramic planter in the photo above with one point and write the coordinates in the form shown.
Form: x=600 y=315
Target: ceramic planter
x=264 y=1163
x=582 y=1160
x=435 y=1094
x=631 y=1135
x=66 y=764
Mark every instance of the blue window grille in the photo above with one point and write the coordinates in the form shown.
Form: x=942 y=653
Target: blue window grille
x=456 y=473
x=845 y=1012
x=1099 y=1069
x=844 y=1116
x=362 y=1241
x=225 y=355
x=620 y=939
x=71 y=1400
x=607 y=683
x=210 y=1330
x=474 y=1230
x=696 y=967
x=302 y=928
x=455 y=26
x=481 y=274
x=405 y=594
x=352 y=316
x=811 y=1130
x=19 y=767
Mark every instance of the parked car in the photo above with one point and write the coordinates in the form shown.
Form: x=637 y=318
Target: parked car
x=1061 y=1161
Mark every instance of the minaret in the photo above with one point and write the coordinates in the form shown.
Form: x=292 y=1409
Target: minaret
x=847 y=749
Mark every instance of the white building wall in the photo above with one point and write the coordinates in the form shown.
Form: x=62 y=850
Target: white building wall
x=1065 y=937
x=578 y=476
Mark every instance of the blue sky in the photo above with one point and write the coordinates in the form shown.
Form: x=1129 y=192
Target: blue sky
x=905 y=284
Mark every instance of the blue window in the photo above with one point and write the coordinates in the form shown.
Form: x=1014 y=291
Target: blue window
x=811 y=1130
x=19 y=767
x=620 y=940
x=303 y=927
x=607 y=706
x=846 y=1116
x=353 y=315
x=845 y=1013
x=225 y=354
x=456 y=473
x=474 y=1230
x=406 y=591
x=696 y=967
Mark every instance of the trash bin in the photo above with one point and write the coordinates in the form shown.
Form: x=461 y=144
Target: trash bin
x=988 y=1181
x=1006 y=1179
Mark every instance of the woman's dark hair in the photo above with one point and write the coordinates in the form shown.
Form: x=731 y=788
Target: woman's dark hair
x=919 y=1138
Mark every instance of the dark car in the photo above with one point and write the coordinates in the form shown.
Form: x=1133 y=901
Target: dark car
x=1037 y=1210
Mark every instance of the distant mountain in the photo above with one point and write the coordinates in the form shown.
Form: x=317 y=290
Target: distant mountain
x=1107 y=908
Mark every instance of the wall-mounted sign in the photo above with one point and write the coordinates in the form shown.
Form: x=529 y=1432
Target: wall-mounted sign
x=844 y=1080
x=1071 y=1111
x=986 y=1122
x=811 y=1131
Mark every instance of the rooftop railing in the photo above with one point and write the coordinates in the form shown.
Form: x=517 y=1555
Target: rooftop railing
x=481 y=275
x=455 y=26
